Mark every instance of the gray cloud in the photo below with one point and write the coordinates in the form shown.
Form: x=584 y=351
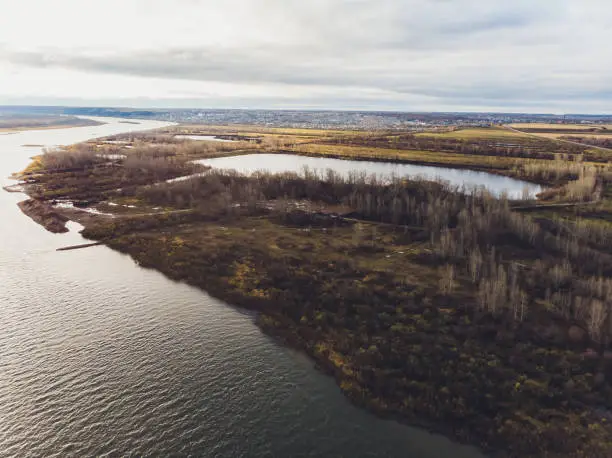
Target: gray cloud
x=452 y=52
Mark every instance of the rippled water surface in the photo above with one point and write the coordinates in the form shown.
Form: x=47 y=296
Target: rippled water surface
x=99 y=357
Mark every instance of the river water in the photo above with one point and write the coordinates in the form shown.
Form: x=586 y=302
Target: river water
x=99 y=357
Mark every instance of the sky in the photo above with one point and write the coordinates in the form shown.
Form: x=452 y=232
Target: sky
x=545 y=56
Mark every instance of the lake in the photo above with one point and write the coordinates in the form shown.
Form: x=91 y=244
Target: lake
x=101 y=357
x=275 y=163
x=208 y=138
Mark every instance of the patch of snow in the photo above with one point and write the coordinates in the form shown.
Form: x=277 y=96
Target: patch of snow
x=112 y=156
x=73 y=226
x=208 y=138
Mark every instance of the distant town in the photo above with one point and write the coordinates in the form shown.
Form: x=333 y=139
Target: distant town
x=359 y=120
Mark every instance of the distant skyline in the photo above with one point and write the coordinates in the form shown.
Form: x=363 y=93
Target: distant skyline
x=533 y=56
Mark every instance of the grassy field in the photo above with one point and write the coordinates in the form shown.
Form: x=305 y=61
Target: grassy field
x=255 y=131
x=474 y=133
x=408 y=156
x=561 y=135
x=557 y=131
x=561 y=126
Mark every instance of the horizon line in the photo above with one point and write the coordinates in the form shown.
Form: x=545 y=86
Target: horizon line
x=330 y=110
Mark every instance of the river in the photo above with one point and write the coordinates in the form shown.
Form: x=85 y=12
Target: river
x=99 y=357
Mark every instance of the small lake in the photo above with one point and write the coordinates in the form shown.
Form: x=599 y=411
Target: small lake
x=276 y=163
x=208 y=138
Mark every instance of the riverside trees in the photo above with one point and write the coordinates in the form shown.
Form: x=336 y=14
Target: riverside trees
x=472 y=235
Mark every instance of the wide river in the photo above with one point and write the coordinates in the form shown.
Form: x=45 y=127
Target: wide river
x=99 y=357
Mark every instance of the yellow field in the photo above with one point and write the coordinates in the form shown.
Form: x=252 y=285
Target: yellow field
x=472 y=133
x=422 y=157
x=254 y=130
x=557 y=135
x=551 y=135
x=560 y=126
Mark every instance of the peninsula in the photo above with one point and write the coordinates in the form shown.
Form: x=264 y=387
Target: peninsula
x=483 y=316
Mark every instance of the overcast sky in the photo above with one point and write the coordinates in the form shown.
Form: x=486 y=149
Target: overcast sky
x=429 y=55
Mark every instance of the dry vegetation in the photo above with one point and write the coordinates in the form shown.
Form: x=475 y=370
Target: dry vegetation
x=523 y=127
x=602 y=141
x=449 y=309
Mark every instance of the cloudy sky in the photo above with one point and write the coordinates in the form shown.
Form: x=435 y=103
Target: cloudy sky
x=431 y=55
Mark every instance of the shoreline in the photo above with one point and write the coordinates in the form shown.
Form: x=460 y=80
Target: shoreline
x=490 y=169
x=18 y=129
x=473 y=168
x=225 y=273
x=272 y=324
x=296 y=336
x=45 y=215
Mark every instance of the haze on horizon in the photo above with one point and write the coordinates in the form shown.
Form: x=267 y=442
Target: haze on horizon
x=439 y=55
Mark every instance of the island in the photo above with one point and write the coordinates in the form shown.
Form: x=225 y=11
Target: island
x=11 y=122
x=480 y=314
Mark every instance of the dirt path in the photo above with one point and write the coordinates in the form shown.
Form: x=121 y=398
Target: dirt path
x=561 y=205
x=512 y=129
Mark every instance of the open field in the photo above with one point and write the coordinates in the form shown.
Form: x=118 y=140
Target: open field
x=558 y=131
x=256 y=131
x=408 y=156
x=596 y=147
x=584 y=127
x=561 y=134
x=475 y=133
